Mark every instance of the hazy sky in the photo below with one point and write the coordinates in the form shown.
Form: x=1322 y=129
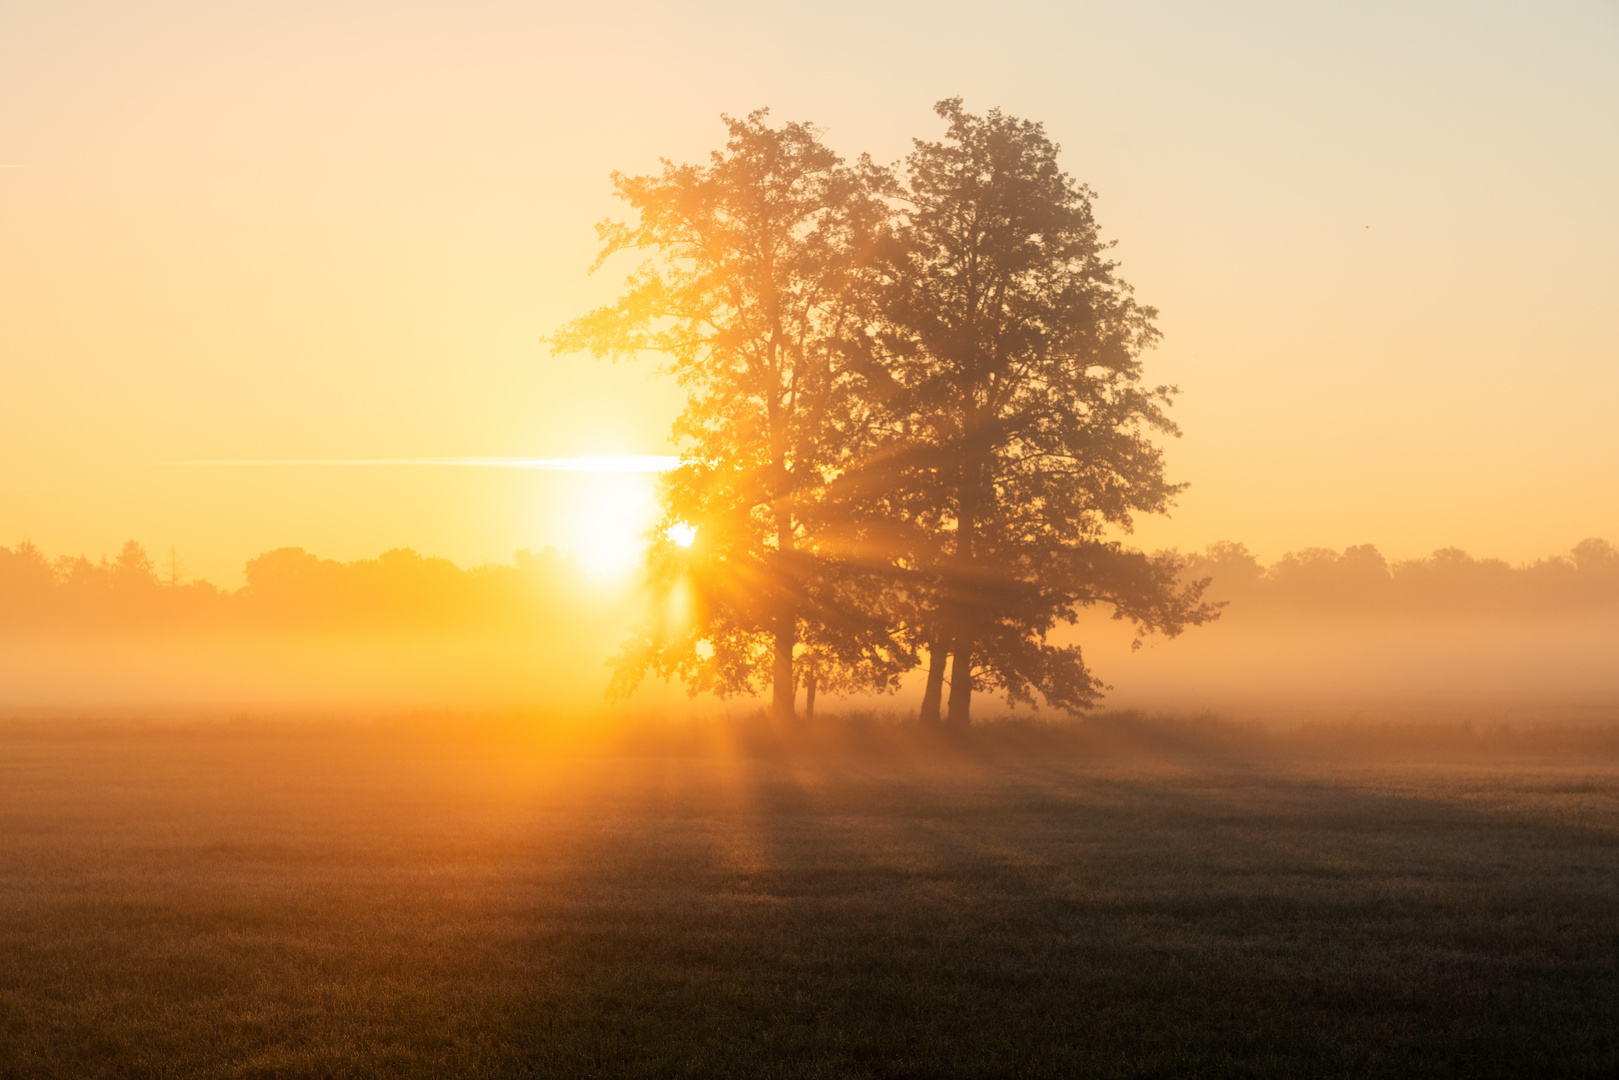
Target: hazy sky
x=1384 y=239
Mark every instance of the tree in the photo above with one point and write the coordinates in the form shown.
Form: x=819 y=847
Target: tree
x=174 y=570
x=1017 y=429
x=754 y=281
x=133 y=569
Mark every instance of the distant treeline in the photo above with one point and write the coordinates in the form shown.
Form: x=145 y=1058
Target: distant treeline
x=291 y=589
x=287 y=589
x=1450 y=582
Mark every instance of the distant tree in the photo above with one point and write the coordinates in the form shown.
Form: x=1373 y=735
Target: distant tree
x=134 y=568
x=754 y=285
x=27 y=583
x=1018 y=430
x=1597 y=557
x=25 y=570
x=1231 y=567
x=1321 y=577
x=174 y=570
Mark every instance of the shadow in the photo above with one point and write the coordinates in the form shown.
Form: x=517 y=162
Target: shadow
x=937 y=914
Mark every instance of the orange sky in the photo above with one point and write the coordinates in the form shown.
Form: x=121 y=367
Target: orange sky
x=1382 y=237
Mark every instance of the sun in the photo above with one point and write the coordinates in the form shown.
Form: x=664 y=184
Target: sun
x=682 y=533
x=608 y=517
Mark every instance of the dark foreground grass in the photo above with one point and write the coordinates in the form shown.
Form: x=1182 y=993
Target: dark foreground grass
x=326 y=902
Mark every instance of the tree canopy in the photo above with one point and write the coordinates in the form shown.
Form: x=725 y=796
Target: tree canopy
x=753 y=281
x=915 y=410
x=1021 y=430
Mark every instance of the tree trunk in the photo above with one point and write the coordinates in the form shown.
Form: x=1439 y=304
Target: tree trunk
x=782 y=690
x=809 y=689
x=964 y=604
x=961 y=679
x=934 y=694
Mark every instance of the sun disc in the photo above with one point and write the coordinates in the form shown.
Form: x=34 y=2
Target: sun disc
x=608 y=521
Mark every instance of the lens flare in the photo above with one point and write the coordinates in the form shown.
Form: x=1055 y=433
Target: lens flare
x=603 y=463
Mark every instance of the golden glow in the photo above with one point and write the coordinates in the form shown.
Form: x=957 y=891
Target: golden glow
x=202 y=258
x=608 y=519
x=682 y=533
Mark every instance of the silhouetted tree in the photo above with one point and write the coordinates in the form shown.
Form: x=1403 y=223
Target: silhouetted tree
x=134 y=569
x=174 y=570
x=755 y=281
x=1017 y=426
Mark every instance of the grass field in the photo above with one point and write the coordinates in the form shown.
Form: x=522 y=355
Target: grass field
x=718 y=901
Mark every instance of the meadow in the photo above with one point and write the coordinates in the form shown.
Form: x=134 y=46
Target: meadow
x=483 y=897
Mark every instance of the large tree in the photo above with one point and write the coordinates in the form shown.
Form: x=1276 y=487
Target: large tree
x=754 y=280
x=1018 y=429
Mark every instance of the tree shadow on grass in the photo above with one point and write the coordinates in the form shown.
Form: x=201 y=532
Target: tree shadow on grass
x=725 y=913
x=1028 y=919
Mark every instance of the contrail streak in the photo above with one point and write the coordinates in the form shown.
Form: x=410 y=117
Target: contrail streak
x=619 y=463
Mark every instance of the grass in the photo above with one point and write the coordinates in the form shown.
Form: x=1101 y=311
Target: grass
x=719 y=900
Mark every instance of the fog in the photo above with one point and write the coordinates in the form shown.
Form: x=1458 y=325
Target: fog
x=304 y=635
x=1347 y=635
x=1317 y=635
